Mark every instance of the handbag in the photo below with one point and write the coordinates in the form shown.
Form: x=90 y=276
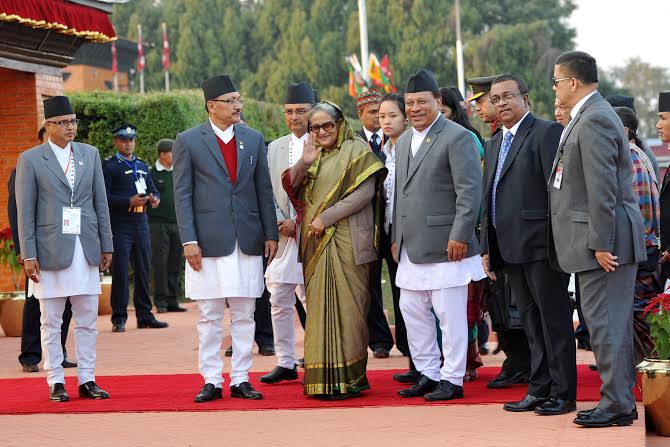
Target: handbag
x=501 y=305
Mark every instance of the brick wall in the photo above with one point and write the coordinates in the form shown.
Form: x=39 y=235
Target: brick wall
x=21 y=116
x=86 y=78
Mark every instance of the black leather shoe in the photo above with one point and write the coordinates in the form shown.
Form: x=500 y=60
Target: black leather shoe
x=529 y=403
x=90 y=390
x=266 y=350
x=410 y=376
x=585 y=345
x=161 y=310
x=245 y=391
x=445 y=391
x=301 y=363
x=68 y=364
x=601 y=418
x=593 y=367
x=554 y=406
x=152 y=324
x=381 y=353
x=176 y=308
x=506 y=379
x=422 y=387
x=583 y=413
x=119 y=328
x=30 y=368
x=208 y=393
x=280 y=373
x=57 y=393
x=229 y=352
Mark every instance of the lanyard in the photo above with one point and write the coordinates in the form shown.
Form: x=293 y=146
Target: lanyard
x=132 y=166
x=70 y=160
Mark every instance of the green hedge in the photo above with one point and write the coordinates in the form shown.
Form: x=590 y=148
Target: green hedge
x=158 y=115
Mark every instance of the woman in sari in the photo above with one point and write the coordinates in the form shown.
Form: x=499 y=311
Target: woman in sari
x=332 y=187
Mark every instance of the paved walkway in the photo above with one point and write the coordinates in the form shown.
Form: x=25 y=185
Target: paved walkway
x=174 y=350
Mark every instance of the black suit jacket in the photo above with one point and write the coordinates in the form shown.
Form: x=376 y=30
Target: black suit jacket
x=12 y=214
x=665 y=211
x=381 y=154
x=521 y=233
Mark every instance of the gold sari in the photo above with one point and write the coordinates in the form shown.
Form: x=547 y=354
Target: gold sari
x=338 y=297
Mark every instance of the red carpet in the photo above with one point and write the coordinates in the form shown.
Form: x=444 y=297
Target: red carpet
x=176 y=392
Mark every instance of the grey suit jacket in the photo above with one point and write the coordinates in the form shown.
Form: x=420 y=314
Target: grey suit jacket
x=278 y=161
x=438 y=193
x=210 y=208
x=41 y=193
x=595 y=207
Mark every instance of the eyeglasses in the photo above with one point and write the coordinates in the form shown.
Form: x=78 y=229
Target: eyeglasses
x=556 y=81
x=507 y=97
x=231 y=101
x=299 y=112
x=327 y=126
x=65 y=123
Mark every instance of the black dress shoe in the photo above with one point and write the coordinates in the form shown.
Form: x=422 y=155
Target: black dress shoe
x=583 y=413
x=601 y=418
x=280 y=373
x=119 y=328
x=90 y=390
x=554 y=406
x=506 y=379
x=30 y=368
x=208 y=393
x=229 y=352
x=585 y=345
x=445 y=391
x=529 y=403
x=266 y=350
x=381 y=353
x=301 y=363
x=245 y=391
x=593 y=367
x=161 y=310
x=152 y=324
x=176 y=308
x=422 y=387
x=68 y=364
x=410 y=376
x=57 y=393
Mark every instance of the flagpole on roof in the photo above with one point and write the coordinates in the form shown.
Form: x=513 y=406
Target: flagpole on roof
x=459 y=49
x=363 y=25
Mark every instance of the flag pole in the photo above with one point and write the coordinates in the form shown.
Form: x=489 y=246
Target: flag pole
x=459 y=49
x=166 y=57
x=363 y=25
x=139 y=38
x=115 y=68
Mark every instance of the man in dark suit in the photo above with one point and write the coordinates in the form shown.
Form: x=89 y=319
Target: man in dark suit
x=31 y=348
x=514 y=236
x=381 y=339
x=598 y=231
x=512 y=341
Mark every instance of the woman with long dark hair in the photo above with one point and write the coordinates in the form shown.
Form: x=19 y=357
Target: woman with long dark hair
x=452 y=110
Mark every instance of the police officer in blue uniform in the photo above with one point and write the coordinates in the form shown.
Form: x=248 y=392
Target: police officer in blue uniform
x=130 y=190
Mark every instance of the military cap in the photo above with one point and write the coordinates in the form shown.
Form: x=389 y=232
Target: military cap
x=480 y=86
x=126 y=130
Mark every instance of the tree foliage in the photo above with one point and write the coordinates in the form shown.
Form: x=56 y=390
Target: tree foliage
x=266 y=44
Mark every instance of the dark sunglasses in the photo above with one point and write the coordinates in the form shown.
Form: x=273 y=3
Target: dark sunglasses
x=327 y=126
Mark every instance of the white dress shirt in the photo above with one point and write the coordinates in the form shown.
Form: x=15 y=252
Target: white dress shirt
x=160 y=167
x=419 y=136
x=389 y=183
x=575 y=111
x=379 y=133
x=79 y=278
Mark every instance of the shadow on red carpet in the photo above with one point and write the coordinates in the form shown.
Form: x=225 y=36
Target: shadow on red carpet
x=154 y=393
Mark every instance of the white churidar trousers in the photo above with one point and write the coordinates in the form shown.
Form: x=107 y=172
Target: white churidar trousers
x=282 y=299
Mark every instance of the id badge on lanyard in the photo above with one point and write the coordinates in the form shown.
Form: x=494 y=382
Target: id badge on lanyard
x=141 y=185
x=558 y=178
x=71 y=220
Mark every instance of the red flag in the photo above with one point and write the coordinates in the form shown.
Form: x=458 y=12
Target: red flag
x=140 y=50
x=115 y=66
x=166 y=49
x=385 y=66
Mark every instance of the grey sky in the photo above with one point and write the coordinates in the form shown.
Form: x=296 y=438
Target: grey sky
x=613 y=31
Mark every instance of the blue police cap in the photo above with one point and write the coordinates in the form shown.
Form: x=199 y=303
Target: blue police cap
x=125 y=130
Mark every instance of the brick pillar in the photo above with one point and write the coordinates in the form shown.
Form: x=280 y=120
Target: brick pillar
x=21 y=116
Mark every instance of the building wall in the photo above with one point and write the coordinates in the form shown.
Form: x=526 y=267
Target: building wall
x=21 y=116
x=85 y=78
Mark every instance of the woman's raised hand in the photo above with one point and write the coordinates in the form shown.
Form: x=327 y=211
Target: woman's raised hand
x=310 y=152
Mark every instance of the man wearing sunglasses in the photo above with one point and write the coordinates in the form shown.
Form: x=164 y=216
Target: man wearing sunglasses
x=66 y=239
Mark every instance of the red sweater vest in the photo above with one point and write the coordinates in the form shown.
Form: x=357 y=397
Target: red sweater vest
x=229 y=152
